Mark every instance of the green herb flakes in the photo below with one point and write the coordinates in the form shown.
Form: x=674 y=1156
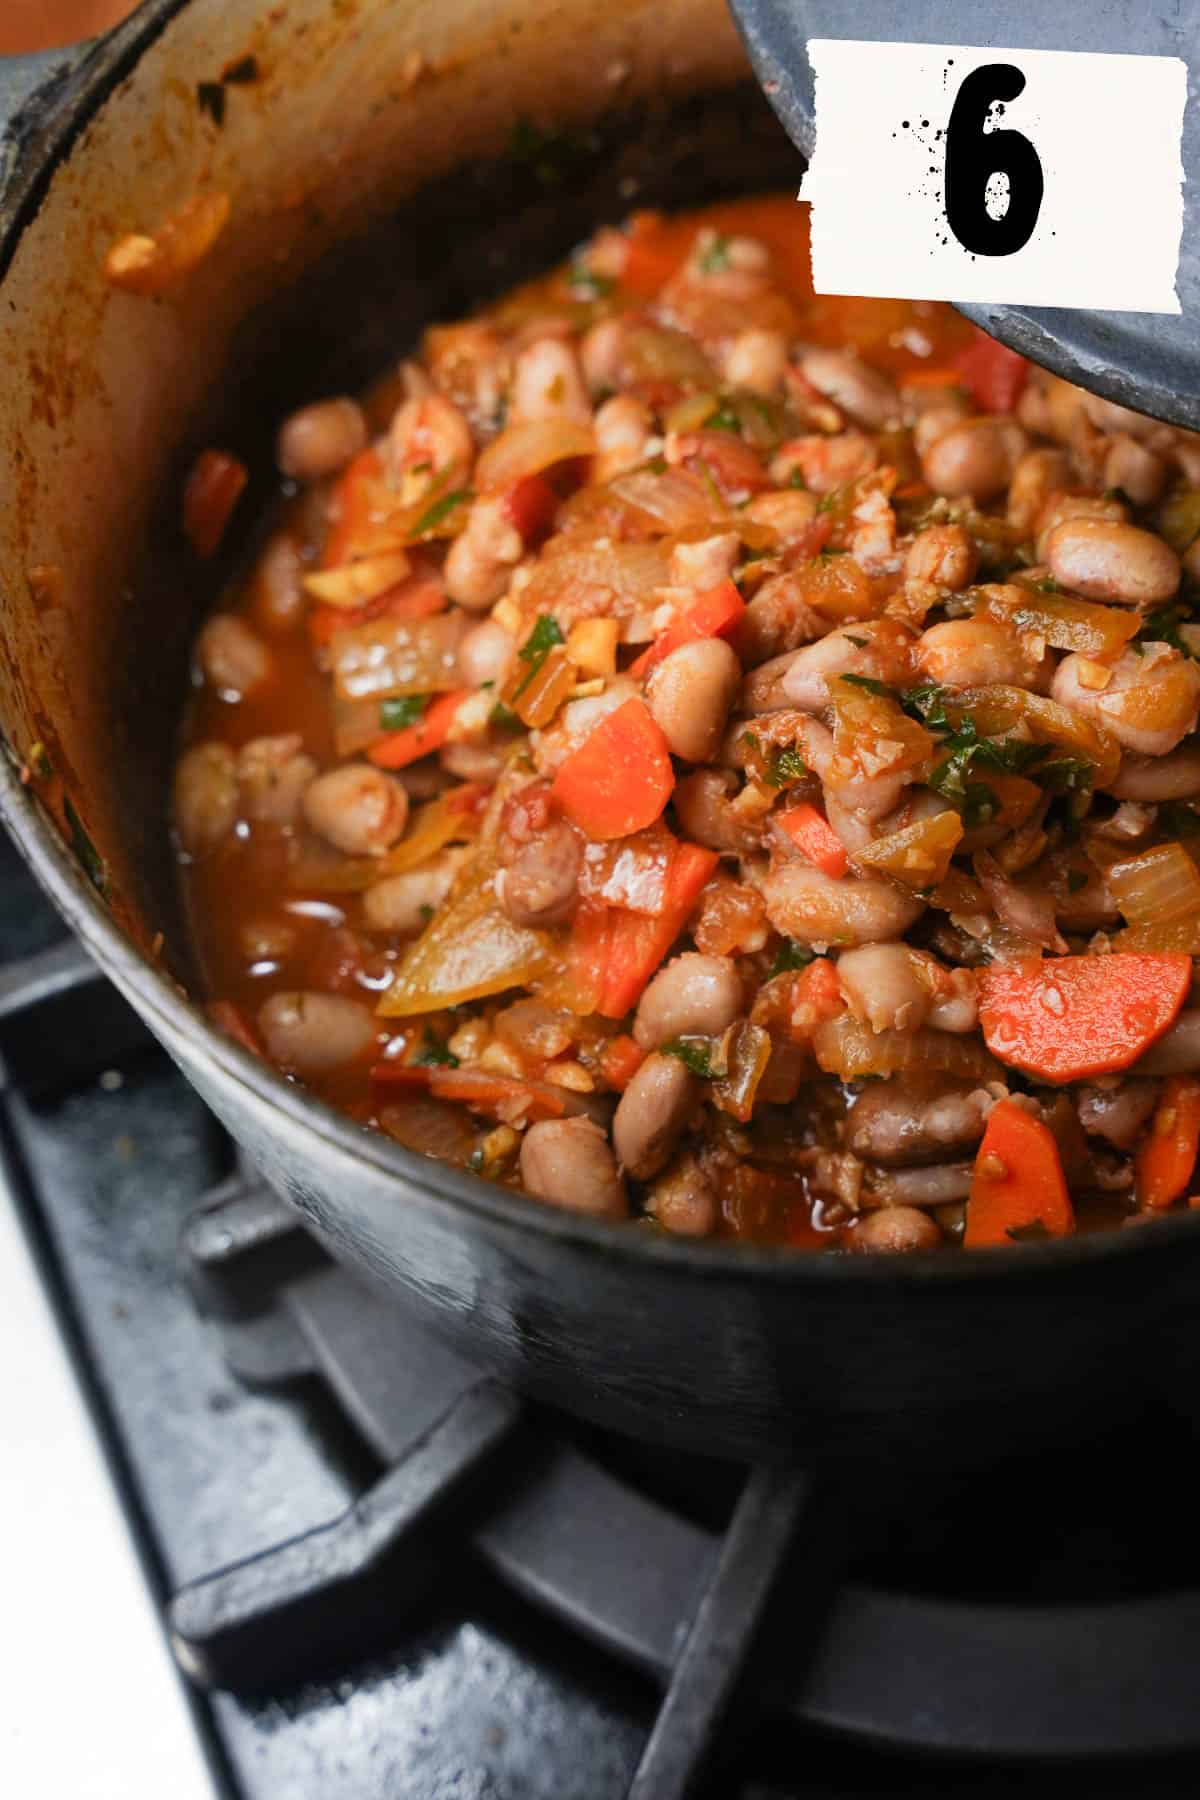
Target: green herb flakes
x=397 y=715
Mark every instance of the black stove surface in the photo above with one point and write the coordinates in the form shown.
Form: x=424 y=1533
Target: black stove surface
x=476 y=1601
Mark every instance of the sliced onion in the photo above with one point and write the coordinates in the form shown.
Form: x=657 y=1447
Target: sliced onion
x=1064 y=622
x=469 y=950
x=997 y=709
x=672 y=499
x=747 y=1056
x=1177 y=936
x=1157 y=887
x=453 y=818
x=391 y=657
x=575 y=580
x=847 y=1047
x=528 y=448
x=918 y=855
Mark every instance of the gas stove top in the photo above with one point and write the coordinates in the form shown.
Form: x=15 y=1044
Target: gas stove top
x=382 y=1574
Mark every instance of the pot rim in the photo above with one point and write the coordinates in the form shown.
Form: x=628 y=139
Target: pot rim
x=37 y=155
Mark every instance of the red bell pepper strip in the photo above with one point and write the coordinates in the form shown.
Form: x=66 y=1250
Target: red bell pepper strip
x=1167 y=1158
x=994 y=374
x=209 y=497
x=637 y=945
x=1018 y=1188
x=620 y=778
x=717 y=613
x=399 y=748
x=1068 y=1018
x=815 y=838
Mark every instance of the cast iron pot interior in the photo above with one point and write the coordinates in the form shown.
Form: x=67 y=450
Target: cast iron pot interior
x=332 y=265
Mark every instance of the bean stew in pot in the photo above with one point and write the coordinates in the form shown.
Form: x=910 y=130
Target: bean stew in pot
x=720 y=757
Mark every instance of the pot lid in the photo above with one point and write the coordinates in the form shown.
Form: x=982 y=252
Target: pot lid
x=1148 y=361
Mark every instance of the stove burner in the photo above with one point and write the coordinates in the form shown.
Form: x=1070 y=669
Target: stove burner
x=679 y=1600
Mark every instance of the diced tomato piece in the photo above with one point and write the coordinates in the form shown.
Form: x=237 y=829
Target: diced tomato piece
x=994 y=374
x=716 y=613
x=620 y=1060
x=350 y=508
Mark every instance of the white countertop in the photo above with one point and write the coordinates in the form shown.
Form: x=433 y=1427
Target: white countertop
x=92 y=1707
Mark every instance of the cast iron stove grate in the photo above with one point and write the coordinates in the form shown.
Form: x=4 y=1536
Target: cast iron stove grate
x=689 y=1573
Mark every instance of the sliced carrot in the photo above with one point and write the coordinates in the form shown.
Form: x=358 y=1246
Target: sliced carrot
x=815 y=838
x=399 y=748
x=1018 y=1188
x=209 y=497
x=1167 y=1158
x=1067 y=1018
x=716 y=613
x=620 y=778
x=637 y=944
x=620 y=1060
x=500 y=1096
x=994 y=374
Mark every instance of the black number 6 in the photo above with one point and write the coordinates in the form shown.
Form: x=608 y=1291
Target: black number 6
x=973 y=155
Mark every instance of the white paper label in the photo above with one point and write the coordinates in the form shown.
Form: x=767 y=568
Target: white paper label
x=1033 y=177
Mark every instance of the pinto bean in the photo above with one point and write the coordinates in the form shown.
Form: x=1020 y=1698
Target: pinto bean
x=693 y=995
x=880 y=649
x=804 y=903
x=689 y=695
x=429 y=433
x=486 y=654
x=704 y=805
x=1117 y=1113
x=882 y=983
x=825 y=462
x=932 y=422
x=1157 y=778
x=273 y=773
x=1057 y=508
x=205 y=800
x=541 y=884
x=481 y=559
x=231 y=657
x=1134 y=469
x=320 y=439
x=357 y=809
x=1037 y=475
x=1108 y=560
x=976 y=458
x=548 y=383
x=866 y=394
x=310 y=1033
x=911 y=1120
x=277 y=597
x=1149 y=702
x=684 y=1200
x=937 y=1186
x=970 y=652
x=569 y=1163
x=756 y=359
x=705 y=561
x=895 y=1230
x=651 y=1114
x=404 y=903
x=624 y=425
x=944 y=555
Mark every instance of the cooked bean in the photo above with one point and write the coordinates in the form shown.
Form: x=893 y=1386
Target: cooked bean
x=1119 y=1112
x=690 y=693
x=693 y=995
x=880 y=649
x=231 y=658
x=651 y=1114
x=1149 y=702
x=1177 y=1052
x=310 y=1033
x=684 y=1200
x=277 y=596
x=804 y=903
x=1057 y=508
x=762 y=690
x=486 y=653
x=429 y=435
x=938 y=1186
x=357 y=809
x=267 y=940
x=406 y=902
x=895 y=1230
x=205 y=802
x=1037 y=475
x=912 y=1120
x=934 y=422
x=883 y=984
x=788 y=511
x=623 y=426
x=1137 y=471
x=704 y=805
x=1108 y=560
x=548 y=383
x=826 y=462
x=943 y=554
x=1157 y=778
x=569 y=1163
x=970 y=652
x=273 y=773
x=474 y=762
x=866 y=394
x=704 y=562
x=757 y=359
x=480 y=562
x=321 y=439
x=541 y=884
x=976 y=458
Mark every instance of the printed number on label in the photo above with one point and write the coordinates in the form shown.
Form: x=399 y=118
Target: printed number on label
x=975 y=158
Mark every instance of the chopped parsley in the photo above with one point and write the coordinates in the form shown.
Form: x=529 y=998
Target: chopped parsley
x=1162 y=627
x=867 y=682
x=441 y=509
x=589 y=284
x=694 y=1053
x=1067 y=775
x=859 y=643
x=723 y=419
x=536 y=648
x=786 y=765
x=504 y=716
x=715 y=256
x=791 y=955
x=397 y=715
x=927 y=705
x=433 y=1054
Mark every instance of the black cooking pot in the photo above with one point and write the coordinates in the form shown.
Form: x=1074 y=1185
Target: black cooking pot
x=388 y=164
